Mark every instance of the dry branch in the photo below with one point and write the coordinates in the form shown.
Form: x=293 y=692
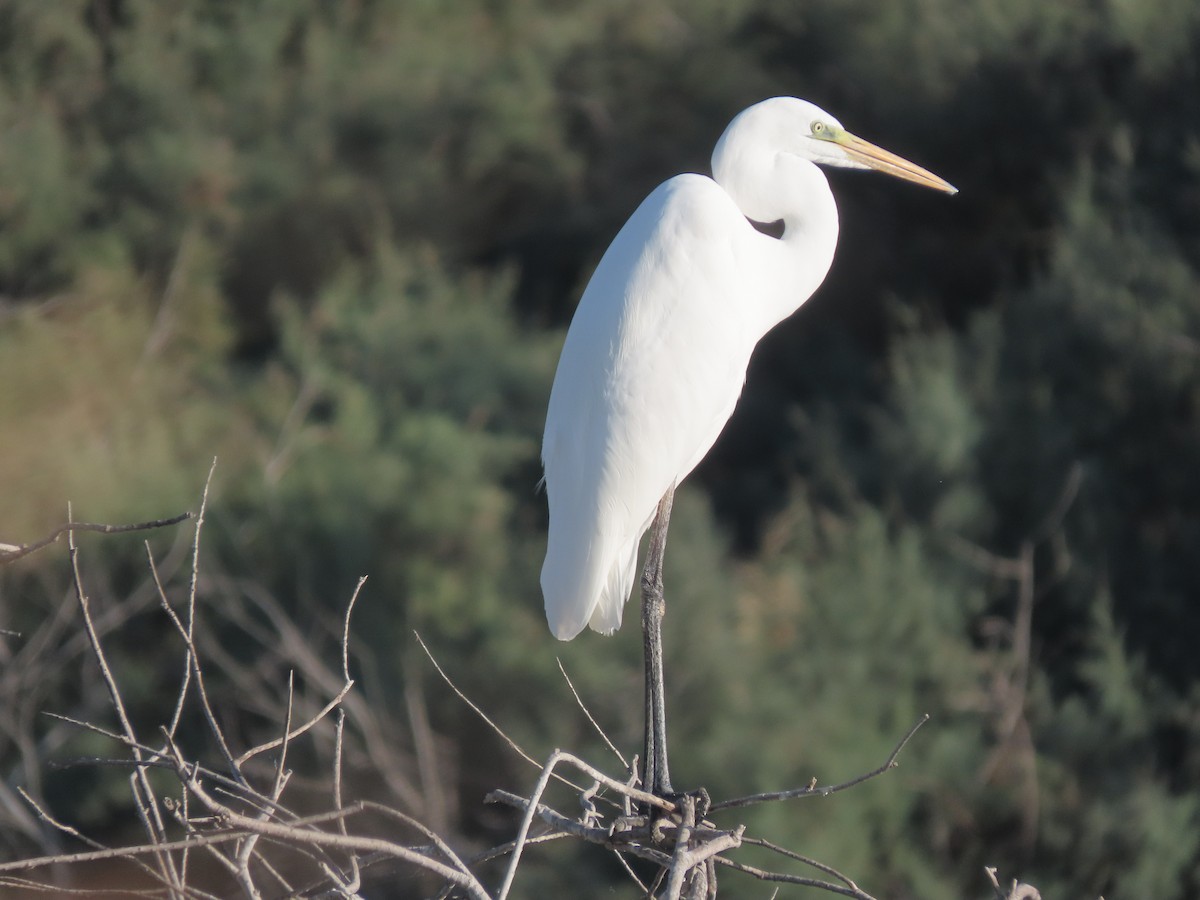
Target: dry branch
x=815 y=790
x=11 y=552
x=239 y=813
x=241 y=808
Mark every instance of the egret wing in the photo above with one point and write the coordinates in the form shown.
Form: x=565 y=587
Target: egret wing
x=650 y=372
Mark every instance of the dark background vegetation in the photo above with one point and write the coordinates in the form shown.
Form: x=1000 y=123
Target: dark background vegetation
x=336 y=244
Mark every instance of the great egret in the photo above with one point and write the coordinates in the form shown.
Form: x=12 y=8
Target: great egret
x=656 y=355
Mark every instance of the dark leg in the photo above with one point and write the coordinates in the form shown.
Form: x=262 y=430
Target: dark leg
x=655 y=777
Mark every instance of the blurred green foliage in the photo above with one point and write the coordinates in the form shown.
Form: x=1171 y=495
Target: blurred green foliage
x=334 y=244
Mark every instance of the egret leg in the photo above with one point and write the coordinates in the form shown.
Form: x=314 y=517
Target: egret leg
x=655 y=776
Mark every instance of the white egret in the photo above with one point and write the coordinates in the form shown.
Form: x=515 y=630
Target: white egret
x=656 y=355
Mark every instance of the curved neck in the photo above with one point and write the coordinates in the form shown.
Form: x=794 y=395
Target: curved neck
x=767 y=187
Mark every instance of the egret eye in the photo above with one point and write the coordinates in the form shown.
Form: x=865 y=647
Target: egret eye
x=818 y=128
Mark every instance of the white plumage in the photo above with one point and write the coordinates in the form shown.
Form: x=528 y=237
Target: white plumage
x=656 y=355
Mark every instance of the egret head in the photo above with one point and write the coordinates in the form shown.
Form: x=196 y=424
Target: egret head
x=803 y=129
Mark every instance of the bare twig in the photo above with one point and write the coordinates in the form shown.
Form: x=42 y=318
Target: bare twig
x=188 y=634
x=815 y=790
x=181 y=695
x=10 y=552
x=147 y=805
x=223 y=813
x=298 y=730
x=293 y=834
x=600 y=731
x=849 y=888
x=38 y=862
x=55 y=823
x=339 y=733
x=785 y=878
x=479 y=712
x=484 y=716
x=78 y=835
x=346 y=628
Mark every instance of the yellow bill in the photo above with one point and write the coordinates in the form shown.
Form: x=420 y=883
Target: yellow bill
x=867 y=154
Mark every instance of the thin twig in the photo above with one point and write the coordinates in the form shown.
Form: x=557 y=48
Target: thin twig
x=624 y=863
x=181 y=695
x=197 y=673
x=380 y=739
x=600 y=731
x=429 y=833
x=506 y=848
x=38 y=862
x=10 y=552
x=152 y=818
x=513 y=745
x=785 y=878
x=294 y=836
x=823 y=790
x=479 y=712
x=807 y=860
x=99 y=852
x=298 y=730
x=57 y=825
x=338 y=737
x=496 y=728
x=346 y=628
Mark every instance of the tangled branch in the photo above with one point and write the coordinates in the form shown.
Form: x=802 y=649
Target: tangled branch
x=236 y=811
x=241 y=809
